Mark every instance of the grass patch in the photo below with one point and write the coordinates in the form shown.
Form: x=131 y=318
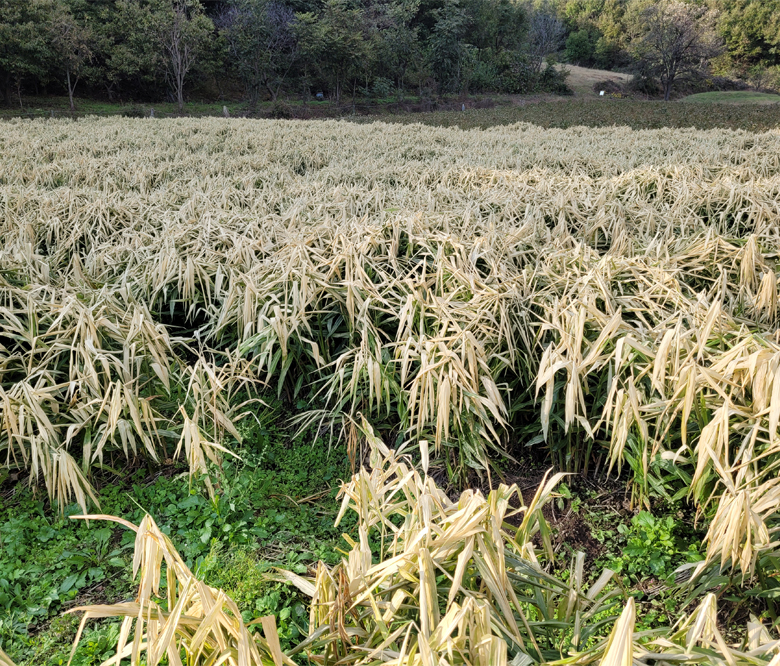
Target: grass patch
x=723 y=110
x=733 y=97
x=605 y=113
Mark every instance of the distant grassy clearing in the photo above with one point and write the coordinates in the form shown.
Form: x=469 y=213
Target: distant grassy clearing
x=734 y=97
x=582 y=79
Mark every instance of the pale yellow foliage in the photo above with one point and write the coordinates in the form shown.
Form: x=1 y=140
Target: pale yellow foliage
x=466 y=268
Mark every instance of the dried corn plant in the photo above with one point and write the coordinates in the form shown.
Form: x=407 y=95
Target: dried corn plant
x=669 y=379
x=453 y=581
x=81 y=382
x=694 y=639
x=179 y=617
x=608 y=294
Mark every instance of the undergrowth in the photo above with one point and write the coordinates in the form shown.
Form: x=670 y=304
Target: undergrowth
x=275 y=507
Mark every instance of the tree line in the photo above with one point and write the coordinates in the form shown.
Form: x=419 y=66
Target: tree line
x=157 y=49
x=733 y=38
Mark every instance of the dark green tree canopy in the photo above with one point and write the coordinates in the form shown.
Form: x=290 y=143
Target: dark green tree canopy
x=261 y=49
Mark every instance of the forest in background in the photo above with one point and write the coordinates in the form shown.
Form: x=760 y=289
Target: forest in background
x=173 y=50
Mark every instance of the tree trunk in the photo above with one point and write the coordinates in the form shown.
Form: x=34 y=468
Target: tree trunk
x=180 y=56
x=7 y=90
x=180 y=84
x=70 y=91
x=671 y=75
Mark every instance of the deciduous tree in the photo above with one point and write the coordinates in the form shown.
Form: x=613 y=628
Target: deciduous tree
x=399 y=48
x=24 y=43
x=448 y=46
x=674 y=38
x=545 y=34
x=334 y=44
x=71 y=42
x=261 y=37
x=183 y=31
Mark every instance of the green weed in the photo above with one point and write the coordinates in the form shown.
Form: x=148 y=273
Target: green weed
x=274 y=507
x=653 y=548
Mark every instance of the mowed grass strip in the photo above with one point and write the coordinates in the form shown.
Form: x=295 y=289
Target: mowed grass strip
x=734 y=97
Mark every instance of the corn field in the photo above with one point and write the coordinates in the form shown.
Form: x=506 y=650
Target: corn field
x=606 y=296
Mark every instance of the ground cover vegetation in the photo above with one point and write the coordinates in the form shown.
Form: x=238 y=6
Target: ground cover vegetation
x=279 y=50
x=50 y=563
x=488 y=112
x=602 y=113
x=422 y=306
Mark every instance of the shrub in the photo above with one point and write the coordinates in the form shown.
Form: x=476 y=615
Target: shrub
x=281 y=110
x=553 y=80
x=134 y=111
